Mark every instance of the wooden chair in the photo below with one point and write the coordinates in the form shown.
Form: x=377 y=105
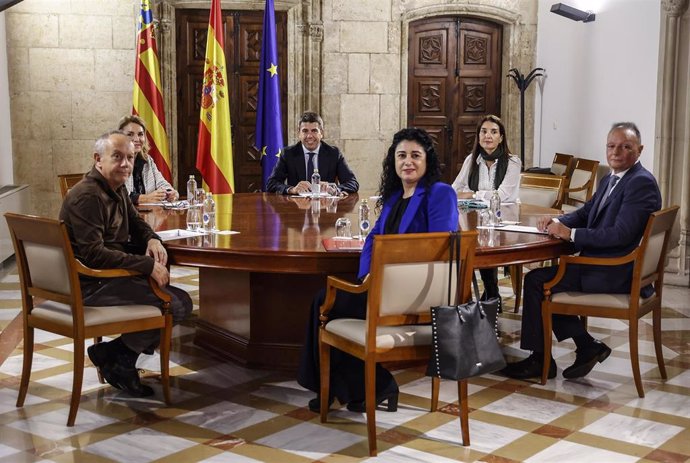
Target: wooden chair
x=581 y=186
x=649 y=260
x=67 y=181
x=52 y=301
x=541 y=190
x=562 y=164
x=409 y=275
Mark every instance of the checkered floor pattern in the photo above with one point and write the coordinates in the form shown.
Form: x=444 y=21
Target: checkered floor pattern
x=225 y=413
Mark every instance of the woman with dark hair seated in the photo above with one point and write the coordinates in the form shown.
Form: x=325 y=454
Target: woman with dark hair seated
x=412 y=200
x=490 y=167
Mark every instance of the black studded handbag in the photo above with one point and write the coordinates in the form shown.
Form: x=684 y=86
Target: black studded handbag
x=464 y=342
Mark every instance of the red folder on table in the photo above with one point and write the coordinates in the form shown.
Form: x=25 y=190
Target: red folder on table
x=340 y=244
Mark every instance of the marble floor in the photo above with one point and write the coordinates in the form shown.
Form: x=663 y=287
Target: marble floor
x=226 y=413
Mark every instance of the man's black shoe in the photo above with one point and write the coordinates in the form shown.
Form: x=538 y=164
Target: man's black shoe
x=99 y=356
x=529 y=368
x=586 y=359
x=128 y=380
x=315 y=404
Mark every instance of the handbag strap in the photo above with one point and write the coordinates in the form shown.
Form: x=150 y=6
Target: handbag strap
x=454 y=255
x=475 y=286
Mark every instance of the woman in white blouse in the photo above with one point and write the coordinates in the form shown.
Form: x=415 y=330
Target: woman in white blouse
x=490 y=167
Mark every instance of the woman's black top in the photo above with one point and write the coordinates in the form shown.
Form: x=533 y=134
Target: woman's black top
x=138 y=180
x=397 y=211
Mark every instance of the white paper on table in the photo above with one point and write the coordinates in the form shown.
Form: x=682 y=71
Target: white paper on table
x=177 y=233
x=514 y=228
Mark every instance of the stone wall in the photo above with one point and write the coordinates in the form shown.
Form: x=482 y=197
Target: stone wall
x=71 y=74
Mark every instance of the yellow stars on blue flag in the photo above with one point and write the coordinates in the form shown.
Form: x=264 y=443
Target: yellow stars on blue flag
x=263 y=152
x=273 y=70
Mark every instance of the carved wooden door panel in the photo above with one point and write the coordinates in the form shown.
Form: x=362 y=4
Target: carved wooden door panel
x=242 y=53
x=454 y=78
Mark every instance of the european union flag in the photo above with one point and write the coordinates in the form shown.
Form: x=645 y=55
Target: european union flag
x=269 y=128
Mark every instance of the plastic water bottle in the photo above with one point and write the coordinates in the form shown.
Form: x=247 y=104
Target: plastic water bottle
x=191 y=189
x=209 y=214
x=495 y=208
x=364 y=223
x=316 y=183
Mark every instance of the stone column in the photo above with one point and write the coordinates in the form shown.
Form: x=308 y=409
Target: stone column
x=310 y=28
x=672 y=158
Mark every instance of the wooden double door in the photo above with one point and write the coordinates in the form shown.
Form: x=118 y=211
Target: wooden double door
x=454 y=78
x=243 y=32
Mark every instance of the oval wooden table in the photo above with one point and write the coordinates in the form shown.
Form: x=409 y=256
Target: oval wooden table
x=256 y=287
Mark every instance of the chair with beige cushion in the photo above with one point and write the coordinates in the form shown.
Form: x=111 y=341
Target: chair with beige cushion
x=581 y=186
x=52 y=301
x=540 y=190
x=562 y=164
x=409 y=274
x=67 y=181
x=649 y=260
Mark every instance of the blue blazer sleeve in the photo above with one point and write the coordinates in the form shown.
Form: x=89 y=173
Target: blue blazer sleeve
x=431 y=209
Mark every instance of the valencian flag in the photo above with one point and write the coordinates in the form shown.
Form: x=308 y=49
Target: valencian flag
x=147 y=101
x=269 y=132
x=214 y=147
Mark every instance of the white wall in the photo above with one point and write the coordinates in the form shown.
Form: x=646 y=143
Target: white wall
x=6 y=175
x=597 y=73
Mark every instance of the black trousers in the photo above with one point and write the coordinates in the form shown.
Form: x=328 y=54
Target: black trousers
x=347 y=372
x=136 y=290
x=490 y=279
x=564 y=326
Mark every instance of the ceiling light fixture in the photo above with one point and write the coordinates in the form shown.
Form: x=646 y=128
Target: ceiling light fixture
x=572 y=13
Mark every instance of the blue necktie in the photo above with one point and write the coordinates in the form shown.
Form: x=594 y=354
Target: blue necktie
x=612 y=182
x=310 y=166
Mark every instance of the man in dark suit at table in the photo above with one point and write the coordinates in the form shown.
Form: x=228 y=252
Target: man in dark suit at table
x=610 y=224
x=297 y=162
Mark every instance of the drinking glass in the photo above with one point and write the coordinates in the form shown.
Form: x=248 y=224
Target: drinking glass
x=343 y=228
x=193 y=217
x=332 y=189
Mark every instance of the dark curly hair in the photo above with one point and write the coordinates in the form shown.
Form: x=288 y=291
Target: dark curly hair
x=390 y=182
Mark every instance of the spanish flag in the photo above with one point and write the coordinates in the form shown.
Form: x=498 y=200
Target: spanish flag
x=214 y=147
x=147 y=101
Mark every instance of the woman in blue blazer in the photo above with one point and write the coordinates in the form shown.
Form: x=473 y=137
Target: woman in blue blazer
x=412 y=200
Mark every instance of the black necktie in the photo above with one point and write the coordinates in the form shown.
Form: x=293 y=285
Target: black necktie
x=310 y=166
x=612 y=182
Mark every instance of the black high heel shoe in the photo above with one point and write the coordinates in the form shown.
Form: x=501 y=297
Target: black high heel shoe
x=392 y=405
x=315 y=403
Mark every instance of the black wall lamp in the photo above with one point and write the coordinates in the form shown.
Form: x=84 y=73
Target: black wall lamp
x=572 y=13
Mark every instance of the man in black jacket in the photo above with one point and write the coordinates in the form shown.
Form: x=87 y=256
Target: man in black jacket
x=297 y=162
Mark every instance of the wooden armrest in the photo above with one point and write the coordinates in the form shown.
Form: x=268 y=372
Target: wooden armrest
x=121 y=272
x=332 y=285
x=105 y=272
x=607 y=261
x=574 y=190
